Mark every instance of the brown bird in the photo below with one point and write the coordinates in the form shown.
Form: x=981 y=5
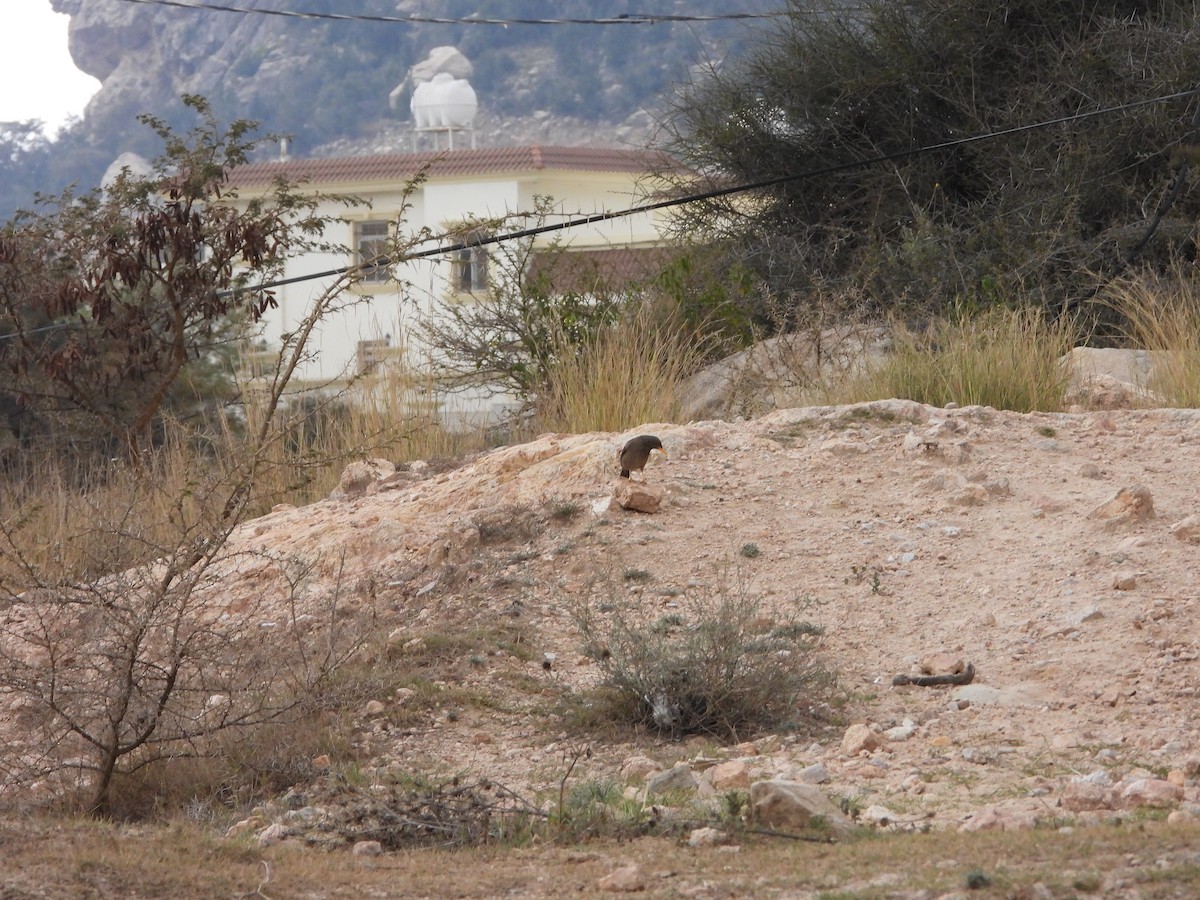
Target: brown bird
x=637 y=451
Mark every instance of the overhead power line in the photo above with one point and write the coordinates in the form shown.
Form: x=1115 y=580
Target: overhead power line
x=726 y=191
x=623 y=19
x=695 y=198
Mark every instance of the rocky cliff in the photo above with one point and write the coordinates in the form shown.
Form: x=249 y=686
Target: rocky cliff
x=329 y=82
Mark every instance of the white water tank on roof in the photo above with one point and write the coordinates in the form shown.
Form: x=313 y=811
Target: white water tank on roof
x=444 y=102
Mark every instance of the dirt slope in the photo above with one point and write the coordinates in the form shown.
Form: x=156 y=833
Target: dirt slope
x=916 y=530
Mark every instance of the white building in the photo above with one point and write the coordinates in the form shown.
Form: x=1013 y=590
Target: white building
x=457 y=190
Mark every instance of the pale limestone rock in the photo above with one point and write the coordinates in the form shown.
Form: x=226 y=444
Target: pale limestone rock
x=1081 y=796
x=272 y=835
x=360 y=476
x=1025 y=694
x=706 y=837
x=1124 y=581
x=677 y=778
x=844 y=447
x=627 y=879
x=901 y=732
x=942 y=664
x=638 y=768
x=1187 y=530
x=245 y=825
x=814 y=774
x=732 y=775
x=859 y=738
x=366 y=848
x=373 y=709
x=638 y=495
x=879 y=816
x=1085 y=614
x=971 y=495
x=997 y=818
x=1154 y=792
x=1129 y=506
x=790 y=805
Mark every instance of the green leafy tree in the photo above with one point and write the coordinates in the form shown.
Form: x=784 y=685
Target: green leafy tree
x=838 y=84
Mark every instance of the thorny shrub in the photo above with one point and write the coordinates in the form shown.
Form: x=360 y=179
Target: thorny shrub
x=722 y=664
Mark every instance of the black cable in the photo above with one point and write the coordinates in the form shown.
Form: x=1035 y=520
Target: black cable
x=624 y=19
x=721 y=192
x=694 y=198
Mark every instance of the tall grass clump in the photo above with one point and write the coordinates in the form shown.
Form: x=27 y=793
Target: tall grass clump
x=1162 y=315
x=390 y=414
x=1006 y=358
x=619 y=376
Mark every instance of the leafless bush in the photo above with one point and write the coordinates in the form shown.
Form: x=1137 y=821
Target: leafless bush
x=153 y=664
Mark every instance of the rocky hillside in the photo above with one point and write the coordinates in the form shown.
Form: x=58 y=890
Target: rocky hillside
x=1043 y=562
x=1052 y=554
x=324 y=81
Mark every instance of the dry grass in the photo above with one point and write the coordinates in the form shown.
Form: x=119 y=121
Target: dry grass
x=67 y=858
x=622 y=376
x=1004 y=358
x=1163 y=316
x=80 y=520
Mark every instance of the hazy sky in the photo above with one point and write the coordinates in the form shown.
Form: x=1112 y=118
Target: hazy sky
x=38 y=79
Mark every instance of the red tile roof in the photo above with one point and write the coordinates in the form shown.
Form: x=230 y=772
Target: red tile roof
x=448 y=163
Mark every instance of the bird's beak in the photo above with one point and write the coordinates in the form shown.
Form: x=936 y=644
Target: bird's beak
x=662 y=451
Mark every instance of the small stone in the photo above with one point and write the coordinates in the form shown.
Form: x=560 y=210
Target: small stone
x=322 y=762
x=942 y=664
x=244 y=826
x=1180 y=817
x=1187 y=530
x=481 y=738
x=1130 y=505
x=1152 y=792
x=706 y=837
x=791 y=805
x=730 y=776
x=1080 y=796
x=366 y=848
x=373 y=708
x=1085 y=614
x=627 y=879
x=880 y=816
x=677 y=778
x=272 y=835
x=1124 y=581
x=814 y=774
x=859 y=738
x=638 y=496
x=637 y=768
x=995 y=818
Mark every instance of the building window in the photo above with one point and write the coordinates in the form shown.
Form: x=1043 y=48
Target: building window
x=372 y=354
x=371 y=240
x=470 y=266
